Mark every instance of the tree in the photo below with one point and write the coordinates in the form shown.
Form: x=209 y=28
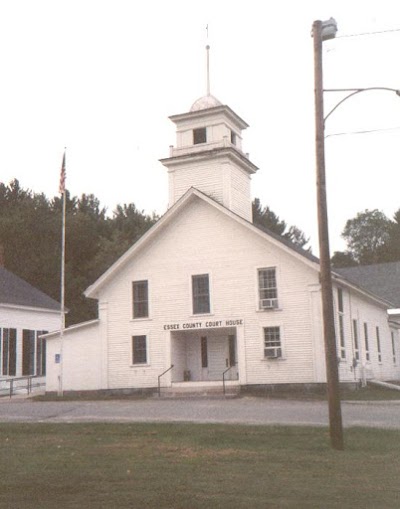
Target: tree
x=392 y=251
x=30 y=232
x=343 y=259
x=367 y=236
x=265 y=217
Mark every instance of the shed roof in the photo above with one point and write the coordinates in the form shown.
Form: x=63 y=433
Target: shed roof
x=16 y=291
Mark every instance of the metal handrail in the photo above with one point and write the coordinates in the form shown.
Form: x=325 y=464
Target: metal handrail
x=159 y=378
x=223 y=376
x=11 y=381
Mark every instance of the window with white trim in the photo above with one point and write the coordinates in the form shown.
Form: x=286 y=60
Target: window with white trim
x=366 y=341
x=355 y=339
x=267 y=288
x=272 y=342
x=342 y=340
x=140 y=293
x=201 y=294
x=40 y=353
x=393 y=347
x=28 y=352
x=9 y=351
x=139 y=349
x=378 y=344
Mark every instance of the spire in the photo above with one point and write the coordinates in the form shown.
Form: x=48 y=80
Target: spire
x=208 y=64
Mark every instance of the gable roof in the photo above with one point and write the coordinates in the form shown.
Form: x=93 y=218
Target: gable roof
x=193 y=193
x=382 y=279
x=17 y=292
x=171 y=213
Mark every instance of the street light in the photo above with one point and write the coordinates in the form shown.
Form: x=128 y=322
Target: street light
x=322 y=31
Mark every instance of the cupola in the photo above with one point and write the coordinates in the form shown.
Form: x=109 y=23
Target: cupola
x=208 y=155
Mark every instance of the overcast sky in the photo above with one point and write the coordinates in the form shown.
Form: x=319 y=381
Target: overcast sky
x=101 y=77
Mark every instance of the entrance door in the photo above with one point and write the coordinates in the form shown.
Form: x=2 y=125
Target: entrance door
x=221 y=356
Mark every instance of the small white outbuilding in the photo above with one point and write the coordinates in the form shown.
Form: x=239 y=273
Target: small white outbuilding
x=215 y=296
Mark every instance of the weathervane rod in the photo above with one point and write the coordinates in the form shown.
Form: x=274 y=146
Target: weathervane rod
x=208 y=63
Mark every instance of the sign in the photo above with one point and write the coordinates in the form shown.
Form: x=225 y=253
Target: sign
x=205 y=324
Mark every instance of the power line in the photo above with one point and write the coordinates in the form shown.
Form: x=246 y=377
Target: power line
x=368 y=33
x=383 y=129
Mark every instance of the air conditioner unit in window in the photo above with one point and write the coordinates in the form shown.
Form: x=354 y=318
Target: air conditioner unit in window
x=273 y=353
x=268 y=303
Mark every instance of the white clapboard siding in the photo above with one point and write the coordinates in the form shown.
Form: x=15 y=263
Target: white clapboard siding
x=82 y=359
x=202 y=240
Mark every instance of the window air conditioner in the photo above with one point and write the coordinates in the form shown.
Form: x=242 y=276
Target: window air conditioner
x=273 y=353
x=268 y=303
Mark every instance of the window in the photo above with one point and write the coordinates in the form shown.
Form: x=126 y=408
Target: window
x=342 y=341
x=272 y=343
x=355 y=337
x=199 y=135
x=204 y=353
x=40 y=354
x=233 y=138
x=201 y=294
x=267 y=288
x=393 y=348
x=378 y=344
x=367 y=356
x=9 y=352
x=340 y=300
x=140 y=299
x=28 y=352
x=139 y=350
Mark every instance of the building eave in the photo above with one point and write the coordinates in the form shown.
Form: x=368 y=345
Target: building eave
x=206 y=113
x=228 y=152
x=29 y=308
x=72 y=328
x=298 y=253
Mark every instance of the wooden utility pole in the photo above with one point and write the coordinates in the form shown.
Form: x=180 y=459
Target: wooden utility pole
x=332 y=374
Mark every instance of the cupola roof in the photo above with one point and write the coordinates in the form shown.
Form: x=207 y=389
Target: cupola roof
x=205 y=102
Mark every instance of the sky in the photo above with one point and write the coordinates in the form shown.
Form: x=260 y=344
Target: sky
x=101 y=77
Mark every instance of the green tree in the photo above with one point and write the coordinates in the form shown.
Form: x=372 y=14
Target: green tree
x=265 y=217
x=343 y=259
x=367 y=236
x=30 y=232
x=392 y=251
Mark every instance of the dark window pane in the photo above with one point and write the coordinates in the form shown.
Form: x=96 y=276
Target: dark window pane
x=139 y=350
x=140 y=299
x=201 y=294
x=204 y=353
x=28 y=352
x=199 y=135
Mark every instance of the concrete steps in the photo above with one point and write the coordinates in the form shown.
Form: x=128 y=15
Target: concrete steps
x=211 y=392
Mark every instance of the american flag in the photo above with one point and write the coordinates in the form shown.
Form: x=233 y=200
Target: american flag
x=62 y=176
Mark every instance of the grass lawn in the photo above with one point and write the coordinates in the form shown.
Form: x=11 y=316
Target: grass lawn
x=195 y=466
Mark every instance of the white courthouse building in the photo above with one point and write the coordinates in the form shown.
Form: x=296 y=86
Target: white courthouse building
x=206 y=291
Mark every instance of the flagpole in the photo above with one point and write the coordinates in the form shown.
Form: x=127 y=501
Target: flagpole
x=62 y=325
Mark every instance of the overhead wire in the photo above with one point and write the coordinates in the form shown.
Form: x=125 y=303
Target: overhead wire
x=364 y=131
x=368 y=33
